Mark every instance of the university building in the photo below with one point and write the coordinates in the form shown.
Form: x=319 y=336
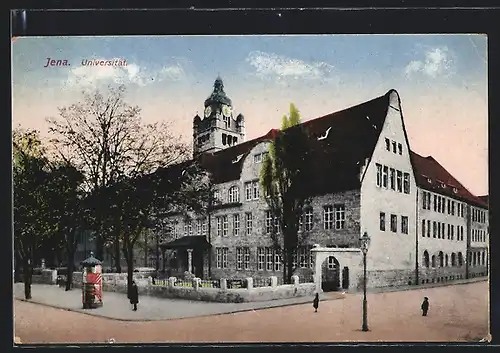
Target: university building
x=425 y=226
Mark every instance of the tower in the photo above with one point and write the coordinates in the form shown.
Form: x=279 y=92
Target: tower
x=218 y=128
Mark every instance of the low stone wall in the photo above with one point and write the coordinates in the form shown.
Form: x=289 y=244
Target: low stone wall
x=118 y=283
x=387 y=278
x=46 y=277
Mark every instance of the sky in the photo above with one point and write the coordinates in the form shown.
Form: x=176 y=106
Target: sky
x=442 y=81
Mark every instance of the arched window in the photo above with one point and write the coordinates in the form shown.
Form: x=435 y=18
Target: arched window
x=446 y=260
x=433 y=261
x=483 y=262
x=441 y=259
x=474 y=259
x=460 y=259
x=426 y=259
x=453 y=259
x=234 y=194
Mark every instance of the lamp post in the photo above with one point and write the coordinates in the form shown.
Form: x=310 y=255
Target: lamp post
x=365 y=243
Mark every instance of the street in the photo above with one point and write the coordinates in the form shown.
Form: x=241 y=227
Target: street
x=457 y=313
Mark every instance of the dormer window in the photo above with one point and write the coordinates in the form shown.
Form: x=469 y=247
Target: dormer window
x=387 y=144
x=429 y=180
x=237 y=159
x=443 y=185
x=455 y=190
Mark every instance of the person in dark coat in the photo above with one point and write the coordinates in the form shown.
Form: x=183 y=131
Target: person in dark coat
x=425 y=306
x=316 y=303
x=134 y=295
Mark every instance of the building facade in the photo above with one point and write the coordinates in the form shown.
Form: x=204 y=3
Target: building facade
x=424 y=225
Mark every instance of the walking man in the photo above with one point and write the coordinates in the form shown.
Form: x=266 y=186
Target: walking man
x=316 y=303
x=425 y=306
x=134 y=295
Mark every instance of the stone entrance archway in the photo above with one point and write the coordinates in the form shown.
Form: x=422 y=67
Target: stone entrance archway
x=352 y=258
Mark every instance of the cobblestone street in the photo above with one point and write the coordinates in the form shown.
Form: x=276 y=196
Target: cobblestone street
x=457 y=313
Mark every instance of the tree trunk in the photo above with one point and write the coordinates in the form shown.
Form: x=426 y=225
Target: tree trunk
x=289 y=265
x=116 y=244
x=27 y=280
x=17 y=269
x=130 y=269
x=99 y=246
x=69 y=277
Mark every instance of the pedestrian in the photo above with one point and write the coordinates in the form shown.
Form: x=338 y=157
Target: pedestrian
x=316 y=303
x=425 y=306
x=134 y=295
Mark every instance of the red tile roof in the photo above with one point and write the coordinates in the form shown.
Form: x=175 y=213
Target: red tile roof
x=431 y=175
x=349 y=139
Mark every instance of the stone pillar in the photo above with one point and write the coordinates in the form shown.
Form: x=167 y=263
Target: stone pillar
x=317 y=272
x=295 y=280
x=196 y=283
x=223 y=284
x=274 y=281
x=171 y=281
x=249 y=283
x=190 y=260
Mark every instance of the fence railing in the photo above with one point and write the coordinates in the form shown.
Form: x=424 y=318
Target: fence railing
x=262 y=282
x=183 y=283
x=204 y=283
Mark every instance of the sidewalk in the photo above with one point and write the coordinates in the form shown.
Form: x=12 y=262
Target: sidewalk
x=425 y=286
x=116 y=305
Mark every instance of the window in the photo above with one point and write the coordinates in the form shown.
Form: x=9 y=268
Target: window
x=246 y=258
x=248 y=223
x=261 y=259
x=435 y=203
x=309 y=220
x=239 y=258
x=236 y=224
x=460 y=259
x=439 y=230
x=339 y=216
x=269 y=222
x=452 y=229
x=387 y=144
x=248 y=191
x=256 y=189
x=400 y=148
x=406 y=183
x=434 y=229
x=428 y=200
x=449 y=206
x=442 y=230
x=303 y=257
x=385 y=175
x=257 y=158
x=428 y=229
x=224 y=226
x=221 y=257
x=276 y=225
x=452 y=208
x=327 y=217
x=439 y=204
x=423 y=227
x=433 y=261
x=331 y=263
x=204 y=227
x=227 y=122
x=234 y=194
x=404 y=224
x=277 y=261
x=379 y=174
x=394 y=223
x=382 y=221
x=424 y=200
x=198 y=226
x=269 y=259
x=426 y=259
x=400 y=181
x=441 y=259
x=392 y=178
x=394 y=146
x=217 y=196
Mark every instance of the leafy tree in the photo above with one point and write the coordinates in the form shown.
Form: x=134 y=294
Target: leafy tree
x=31 y=207
x=68 y=211
x=284 y=175
x=105 y=138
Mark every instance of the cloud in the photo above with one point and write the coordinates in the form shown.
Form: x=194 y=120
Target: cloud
x=273 y=66
x=126 y=74
x=436 y=62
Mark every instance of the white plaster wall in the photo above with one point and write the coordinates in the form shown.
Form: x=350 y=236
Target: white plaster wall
x=389 y=250
x=435 y=245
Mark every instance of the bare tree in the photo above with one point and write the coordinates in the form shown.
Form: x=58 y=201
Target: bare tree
x=106 y=139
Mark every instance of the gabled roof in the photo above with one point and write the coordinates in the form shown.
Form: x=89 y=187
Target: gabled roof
x=431 y=175
x=340 y=142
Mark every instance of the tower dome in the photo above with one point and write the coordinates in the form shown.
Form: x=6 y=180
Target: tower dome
x=218 y=95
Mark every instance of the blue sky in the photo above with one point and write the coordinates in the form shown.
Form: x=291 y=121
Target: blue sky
x=442 y=80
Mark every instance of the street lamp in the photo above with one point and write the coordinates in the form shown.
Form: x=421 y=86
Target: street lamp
x=365 y=244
